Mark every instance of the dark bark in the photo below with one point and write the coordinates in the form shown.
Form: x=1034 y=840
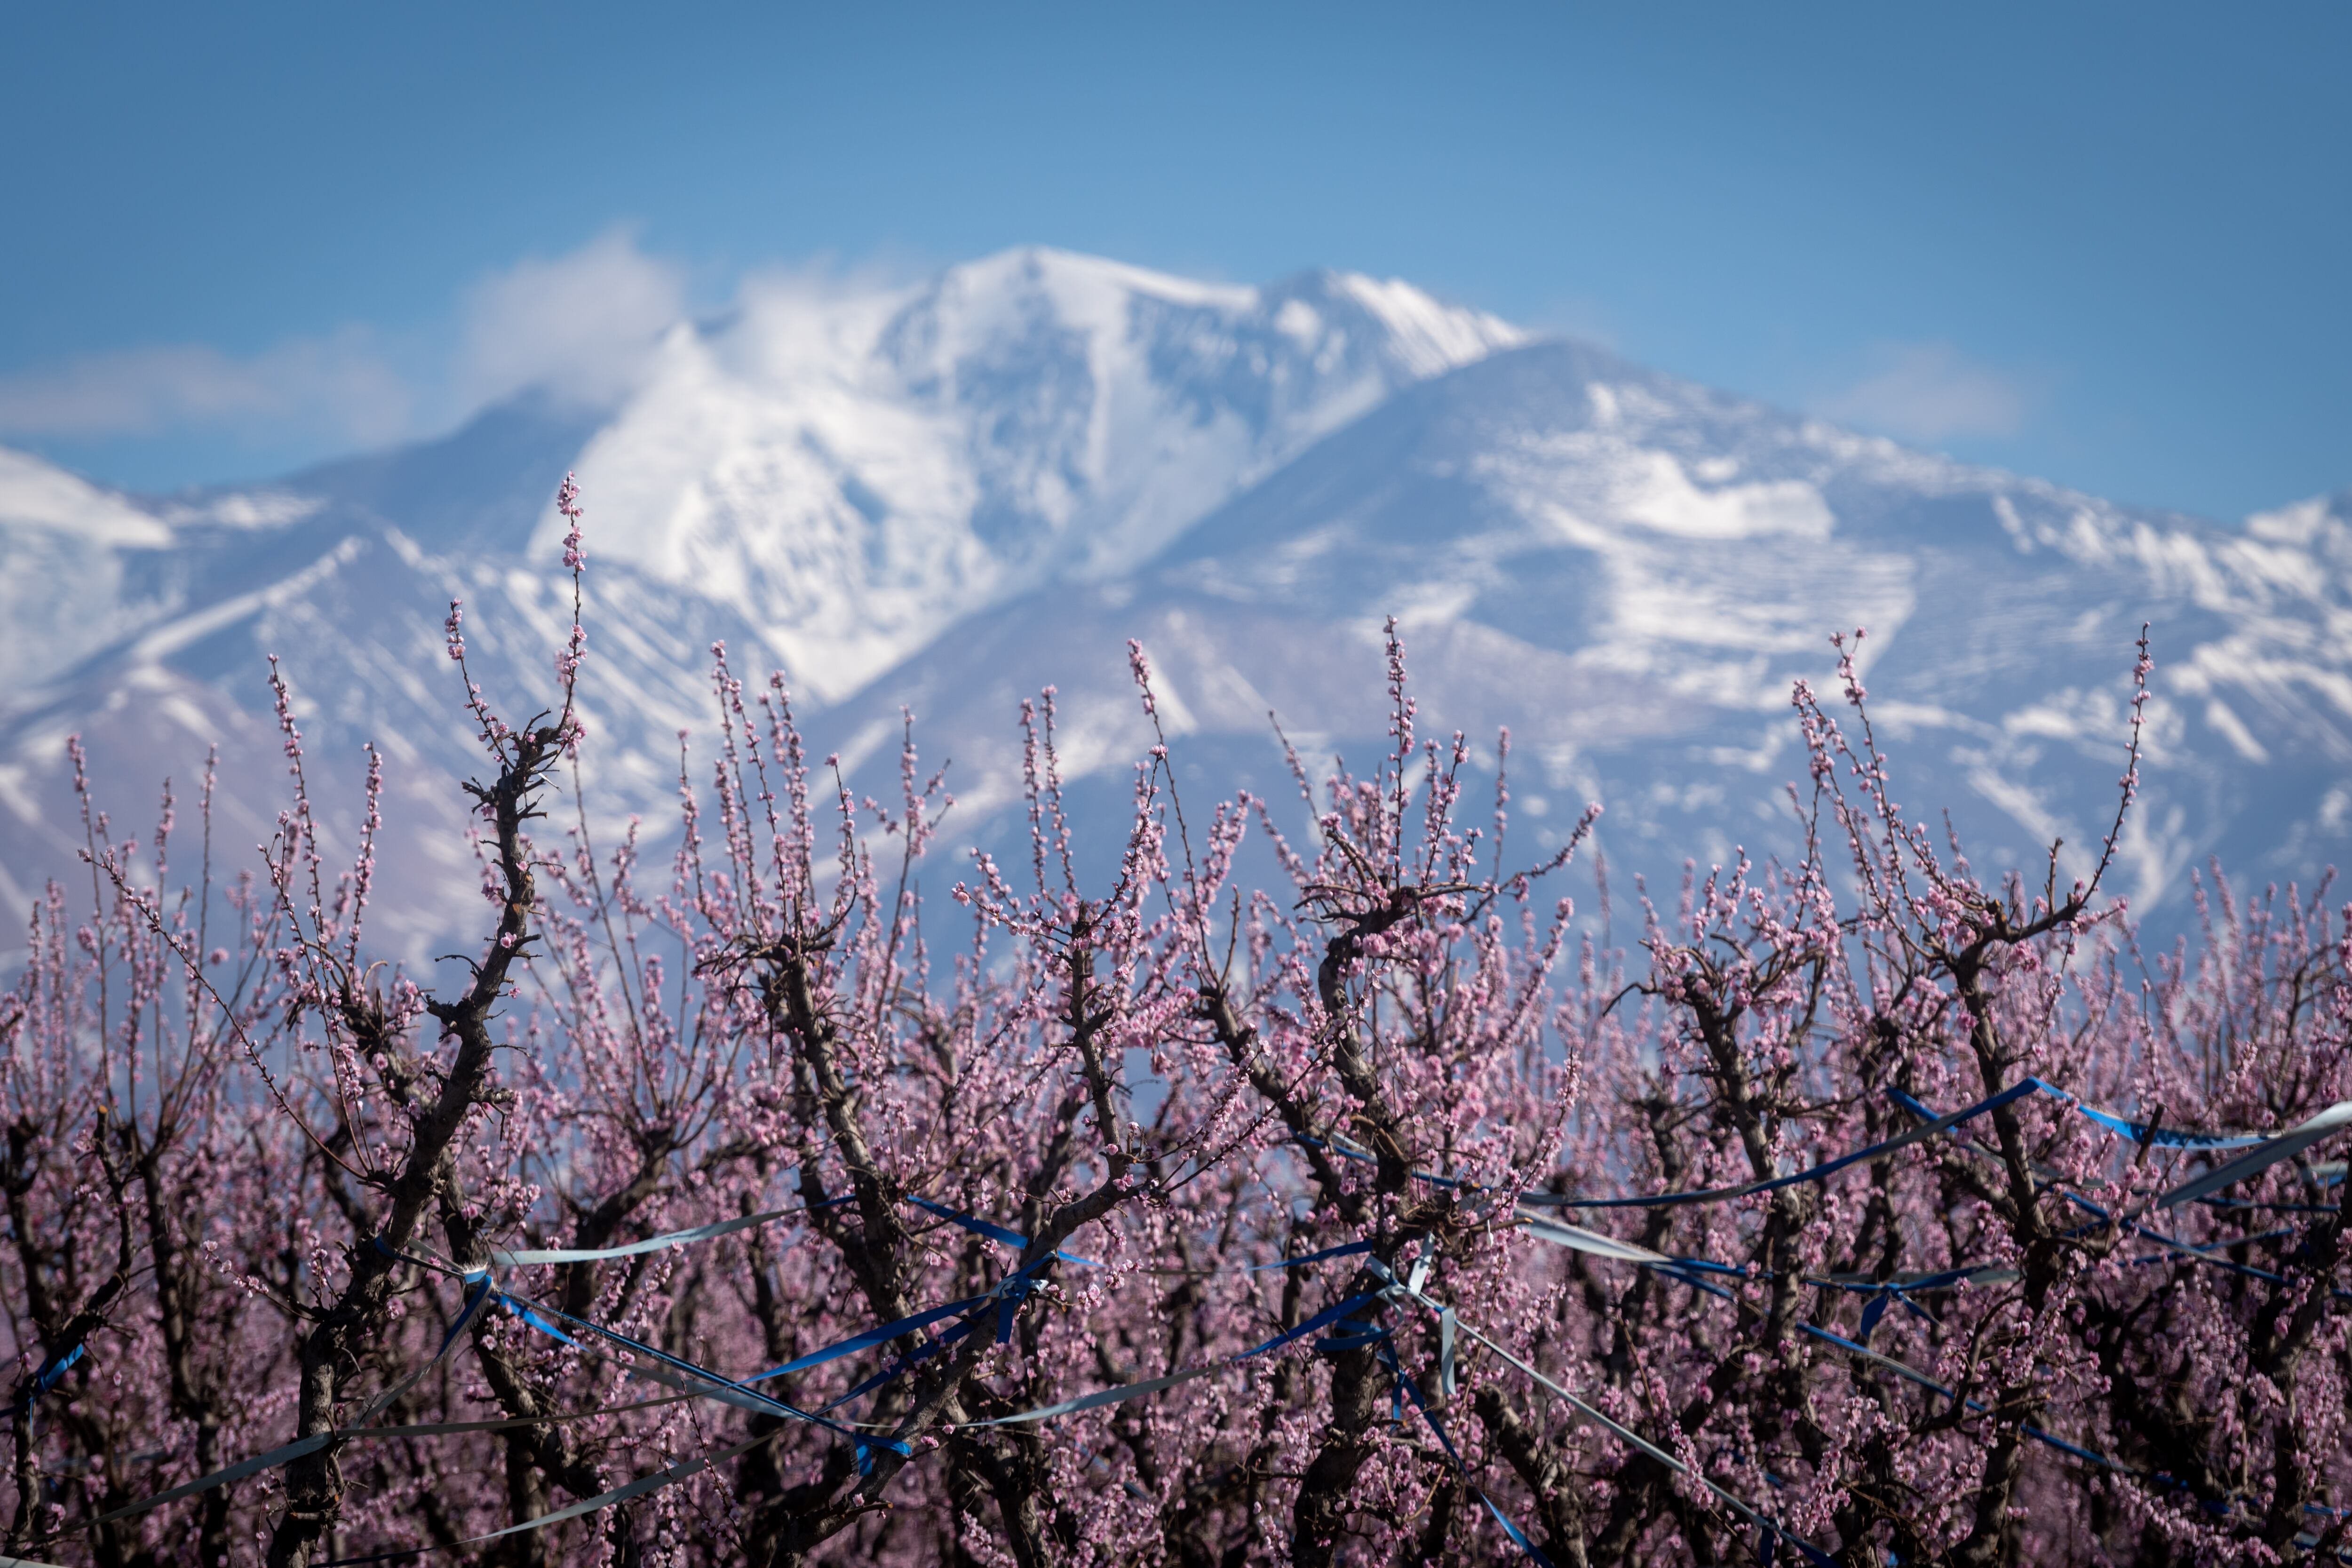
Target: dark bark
x=334 y=1352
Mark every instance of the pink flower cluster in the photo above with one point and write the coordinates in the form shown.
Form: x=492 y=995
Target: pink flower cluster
x=267 y=1199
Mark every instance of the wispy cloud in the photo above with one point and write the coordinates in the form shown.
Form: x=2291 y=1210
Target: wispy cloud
x=579 y=325
x=1932 y=392
x=339 y=386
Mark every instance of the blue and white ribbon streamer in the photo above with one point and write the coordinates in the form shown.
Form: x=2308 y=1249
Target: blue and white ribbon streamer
x=1812 y=1554
x=502 y=1258
x=2286 y=1146
x=1821 y=1171
x=996 y=1233
x=1126 y=1391
x=1354 y=1329
x=52 y=1373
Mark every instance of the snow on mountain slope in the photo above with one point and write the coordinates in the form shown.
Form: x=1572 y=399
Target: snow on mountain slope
x=64 y=544
x=1630 y=571
x=34 y=494
x=851 y=472
x=948 y=496
x=826 y=479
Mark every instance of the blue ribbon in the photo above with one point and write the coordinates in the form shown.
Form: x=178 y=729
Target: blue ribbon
x=1893 y=1290
x=1773 y=1535
x=1821 y=1171
x=1914 y=1375
x=1009 y=1297
x=2137 y=1132
x=534 y=1313
x=1883 y=1298
x=1518 y=1537
x=914 y=1358
x=52 y=1373
x=1327 y=1316
x=1871 y=1315
x=2165 y=1137
x=995 y=1233
x=1889 y=1292
x=480 y=1279
x=1008 y=1293
x=1934 y=1124
x=1349 y=1249
x=1124 y=1392
x=2268 y=1148
x=1354 y=1336
x=863 y=1444
x=1345 y=1152
x=504 y=1259
x=530 y=1314
x=870 y=1337
x=2191 y=1191
x=1406 y=1386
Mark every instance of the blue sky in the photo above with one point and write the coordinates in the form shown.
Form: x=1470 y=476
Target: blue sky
x=2111 y=244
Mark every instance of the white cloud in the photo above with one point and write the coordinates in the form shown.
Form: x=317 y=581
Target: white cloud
x=581 y=326
x=1929 y=392
x=339 y=387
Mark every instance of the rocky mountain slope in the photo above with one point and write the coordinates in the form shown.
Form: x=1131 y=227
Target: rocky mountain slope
x=947 y=497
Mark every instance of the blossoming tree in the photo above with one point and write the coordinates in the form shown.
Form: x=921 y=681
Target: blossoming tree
x=747 y=1209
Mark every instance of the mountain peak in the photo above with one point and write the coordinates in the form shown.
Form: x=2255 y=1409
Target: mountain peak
x=1428 y=335
x=852 y=473
x=1080 y=280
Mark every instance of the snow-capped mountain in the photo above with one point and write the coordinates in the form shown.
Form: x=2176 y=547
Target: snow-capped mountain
x=1630 y=571
x=850 y=474
x=945 y=497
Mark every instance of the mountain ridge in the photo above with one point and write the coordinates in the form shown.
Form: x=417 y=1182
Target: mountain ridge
x=948 y=495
